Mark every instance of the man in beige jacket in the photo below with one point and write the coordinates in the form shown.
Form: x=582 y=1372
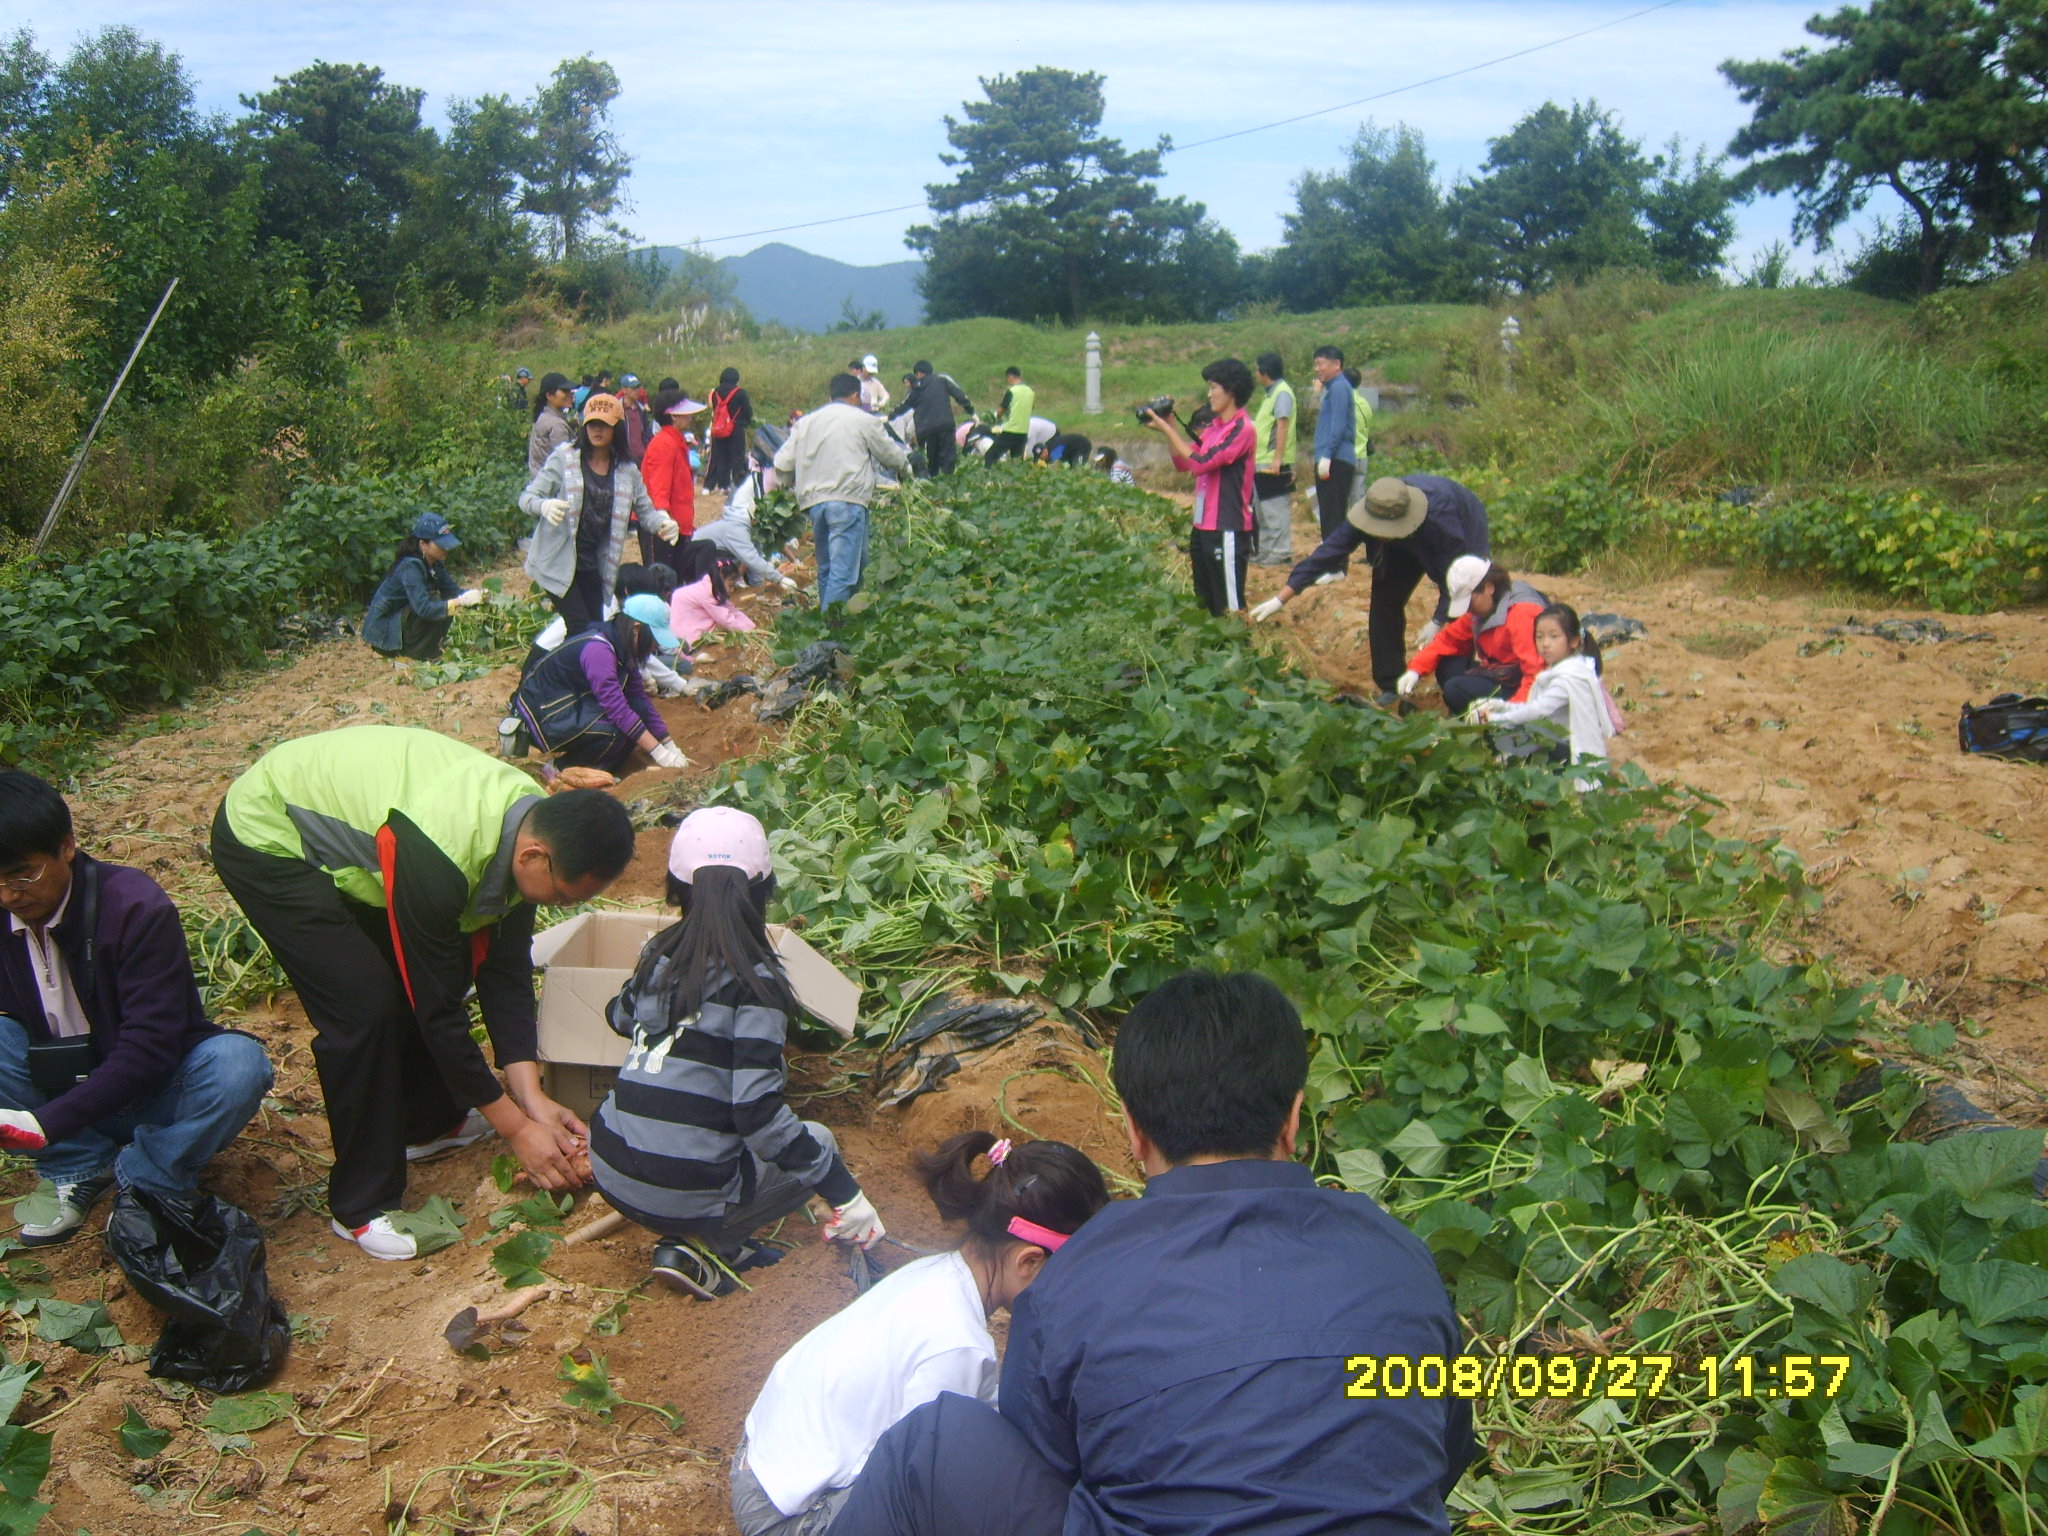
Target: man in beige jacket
x=831 y=457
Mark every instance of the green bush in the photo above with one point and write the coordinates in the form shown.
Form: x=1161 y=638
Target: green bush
x=146 y=620
x=1556 y=527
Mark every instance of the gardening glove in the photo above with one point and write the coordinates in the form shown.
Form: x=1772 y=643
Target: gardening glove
x=667 y=528
x=1266 y=610
x=20 y=1131
x=787 y=583
x=855 y=1222
x=667 y=754
x=467 y=599
x=554 y=510
x=1322 y=469
x=1409 y=681
x=1429 y=633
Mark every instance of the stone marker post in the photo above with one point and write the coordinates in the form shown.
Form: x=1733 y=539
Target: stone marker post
x=1093 y=405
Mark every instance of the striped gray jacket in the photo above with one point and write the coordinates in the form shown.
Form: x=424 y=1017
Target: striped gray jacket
x=698 y=1107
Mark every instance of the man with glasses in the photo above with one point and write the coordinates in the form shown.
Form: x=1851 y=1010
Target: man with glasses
x=390 y=870
x=109 y=1070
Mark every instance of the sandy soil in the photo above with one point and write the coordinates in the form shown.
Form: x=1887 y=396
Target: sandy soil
x=1932 y=863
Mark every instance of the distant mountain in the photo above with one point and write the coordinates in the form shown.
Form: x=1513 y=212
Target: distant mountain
x=790 y=287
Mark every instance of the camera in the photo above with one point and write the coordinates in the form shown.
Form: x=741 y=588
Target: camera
x=1161 y=407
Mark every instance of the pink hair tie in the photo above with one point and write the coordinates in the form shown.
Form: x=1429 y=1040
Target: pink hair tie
x=1032 y=1232
x=998 y=1152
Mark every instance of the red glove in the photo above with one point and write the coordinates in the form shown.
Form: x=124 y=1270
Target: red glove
x=20 y=1131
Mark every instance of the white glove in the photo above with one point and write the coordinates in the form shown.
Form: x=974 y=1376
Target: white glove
x=1482 y=709
x=667 y=528
x=1322 y=469
x=1406 y=687
x=1429 y=632
x=667 y=754
x=855 y=1222
x=788 y=584
x=554 y=510
x=467 y=599
x=1266 y=610
x=20 y=1131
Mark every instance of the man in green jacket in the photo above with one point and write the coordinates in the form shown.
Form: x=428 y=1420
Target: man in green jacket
x=1273 y=472
x=389 y=871
x=1015 y=415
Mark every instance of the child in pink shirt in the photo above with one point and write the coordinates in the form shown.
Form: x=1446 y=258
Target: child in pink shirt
x=700 y=603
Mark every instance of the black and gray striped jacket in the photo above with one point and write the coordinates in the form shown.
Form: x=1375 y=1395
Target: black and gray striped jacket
x=695 y=1096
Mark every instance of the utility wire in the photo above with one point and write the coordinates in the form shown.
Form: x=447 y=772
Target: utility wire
x=1414 y=85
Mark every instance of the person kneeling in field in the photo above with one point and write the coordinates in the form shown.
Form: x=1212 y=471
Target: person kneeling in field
x=916 y=1334
x=1179 y=1366
x=109 y=1070
x=696 y=1142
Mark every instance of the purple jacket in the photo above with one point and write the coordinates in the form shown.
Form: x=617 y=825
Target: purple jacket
x=141 y=1000
x=620 y=692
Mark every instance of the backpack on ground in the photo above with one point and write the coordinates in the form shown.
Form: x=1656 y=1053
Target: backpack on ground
x=721 y=413
x=2008 y=726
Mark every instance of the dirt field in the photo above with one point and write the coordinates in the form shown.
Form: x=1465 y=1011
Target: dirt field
x=1931 y=866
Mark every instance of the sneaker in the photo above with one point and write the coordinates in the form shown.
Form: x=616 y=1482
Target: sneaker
x=514 y=740
x=73 y=1202
x=684 y=1267
x=472 y=1129
x=379 y=1239
x=1329 y=576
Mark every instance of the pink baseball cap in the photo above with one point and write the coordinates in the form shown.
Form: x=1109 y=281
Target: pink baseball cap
x=719 y=835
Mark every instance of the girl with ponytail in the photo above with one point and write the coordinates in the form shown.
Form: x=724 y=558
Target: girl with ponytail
x=919 y=1332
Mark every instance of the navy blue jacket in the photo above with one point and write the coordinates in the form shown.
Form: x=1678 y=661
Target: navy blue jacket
x=1181 y=1360
x=412 y=585
x=1455 y=525
x=140 y=996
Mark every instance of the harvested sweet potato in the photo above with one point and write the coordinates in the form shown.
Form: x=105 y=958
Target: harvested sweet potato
x=581 y=778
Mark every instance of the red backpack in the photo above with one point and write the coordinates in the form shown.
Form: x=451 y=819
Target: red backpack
x=721 y=413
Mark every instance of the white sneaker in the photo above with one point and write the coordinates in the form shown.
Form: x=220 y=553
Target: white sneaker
x=379 y=1239
x=473 y=1129
x=74 y=1201
x=1329 y=576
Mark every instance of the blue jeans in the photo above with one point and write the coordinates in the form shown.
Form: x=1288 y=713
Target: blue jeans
x=841 y=528
x=158 y=1143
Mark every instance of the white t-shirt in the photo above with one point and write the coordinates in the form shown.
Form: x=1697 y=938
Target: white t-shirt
x=62 y=1010
x=916 y=1333
x=1040 y=431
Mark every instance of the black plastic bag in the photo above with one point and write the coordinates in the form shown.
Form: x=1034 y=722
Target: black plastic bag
x=199 y=1260
x=2009 y=726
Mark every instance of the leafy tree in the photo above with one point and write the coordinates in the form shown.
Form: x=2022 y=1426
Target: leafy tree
x=1049 y=218
x=461 y=230
x=1939 y=102
x=340 y=148
x=578 y=166
x=1374 y=232
x=1689 y=208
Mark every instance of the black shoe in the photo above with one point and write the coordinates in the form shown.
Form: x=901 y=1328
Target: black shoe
x=754 y=1255
x=684 y=1267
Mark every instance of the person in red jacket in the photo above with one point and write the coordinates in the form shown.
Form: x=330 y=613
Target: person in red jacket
x=671 y=484
x=1488 y=649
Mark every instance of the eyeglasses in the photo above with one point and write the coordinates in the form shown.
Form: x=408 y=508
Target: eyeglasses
x=34 y=880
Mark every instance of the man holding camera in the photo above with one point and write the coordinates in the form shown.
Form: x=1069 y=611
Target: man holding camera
x=1221 y=460
x=109 y=1069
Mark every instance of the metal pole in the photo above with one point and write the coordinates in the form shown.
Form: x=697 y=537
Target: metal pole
x=1093 y=407
x=78 y=460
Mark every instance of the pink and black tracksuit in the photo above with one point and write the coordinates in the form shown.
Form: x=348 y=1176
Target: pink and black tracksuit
x=1219 y=544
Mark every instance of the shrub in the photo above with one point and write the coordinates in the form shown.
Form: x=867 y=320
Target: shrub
x=1561 y=524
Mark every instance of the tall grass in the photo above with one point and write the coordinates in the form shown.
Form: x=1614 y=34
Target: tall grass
x=1769 y=407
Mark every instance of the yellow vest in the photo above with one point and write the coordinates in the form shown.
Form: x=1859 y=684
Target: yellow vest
x=1263 y=419
x=1022 y=399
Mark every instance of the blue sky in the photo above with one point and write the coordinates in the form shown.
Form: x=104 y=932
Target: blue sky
x=745 y=116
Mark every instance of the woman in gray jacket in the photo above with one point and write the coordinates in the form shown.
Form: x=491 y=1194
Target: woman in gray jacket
x=586 y=497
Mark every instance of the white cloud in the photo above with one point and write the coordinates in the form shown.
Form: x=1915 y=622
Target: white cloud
x=745 y=117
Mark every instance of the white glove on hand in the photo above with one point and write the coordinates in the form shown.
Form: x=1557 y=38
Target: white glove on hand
x=1322 y=469
x=467 y=599
x=1482 y=709
x=554 y=510
x=855 y=1222
x=20 y=1131
x=1409 y=681
x=788 y=584
x=1266 y=610
x=667 y=528
x=1428 y=633
x=667 y=754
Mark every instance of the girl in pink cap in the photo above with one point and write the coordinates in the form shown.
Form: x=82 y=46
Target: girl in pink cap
x=696 y=1141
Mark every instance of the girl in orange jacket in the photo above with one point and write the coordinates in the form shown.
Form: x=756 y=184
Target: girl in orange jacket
x=1488 y=648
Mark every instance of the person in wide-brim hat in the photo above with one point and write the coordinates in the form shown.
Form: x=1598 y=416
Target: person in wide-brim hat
x=1412 y=526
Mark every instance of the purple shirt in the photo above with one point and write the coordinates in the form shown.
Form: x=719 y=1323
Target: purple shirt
x=625 y=703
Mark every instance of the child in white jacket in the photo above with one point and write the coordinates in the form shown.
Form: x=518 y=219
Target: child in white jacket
x=1567 y=694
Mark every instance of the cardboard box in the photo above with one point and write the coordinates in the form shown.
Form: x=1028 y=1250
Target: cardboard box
x=586 y=960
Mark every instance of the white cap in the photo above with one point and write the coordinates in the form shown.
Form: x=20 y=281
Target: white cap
x=1463 y=579
x=871 y=363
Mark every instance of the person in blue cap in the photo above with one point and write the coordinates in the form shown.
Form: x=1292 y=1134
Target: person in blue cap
x=416 y=601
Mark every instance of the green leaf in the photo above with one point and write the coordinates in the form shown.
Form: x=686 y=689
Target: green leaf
x=504 y=1172
x=2024 y=1438
x=1362 y=1170
x=139 y=1438
x=539 y=1210
x=84 y=1325
x=14 y=1379
x=590 y=1385
x=1742 y=1485
x=1803 y=1116
x=1614 y=940
x=1849 y=1456
x=1526 y=1087
x=1997 y=1290
x=1840 y=1292
x=520 y=1256
x=1796 y=1502
x=246 y=1414
x=24 y=1460
x=1419 y=1149
x=1478 y=1019
x=434 y=1226
x=39 y=1207
x=1988 y=1169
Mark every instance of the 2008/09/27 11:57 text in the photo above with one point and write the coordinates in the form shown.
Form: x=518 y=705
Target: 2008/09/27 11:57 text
x=1623 y=1377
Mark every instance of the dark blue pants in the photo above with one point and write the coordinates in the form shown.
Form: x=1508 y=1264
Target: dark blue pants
x=1463 y=683
x=954 y=1467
